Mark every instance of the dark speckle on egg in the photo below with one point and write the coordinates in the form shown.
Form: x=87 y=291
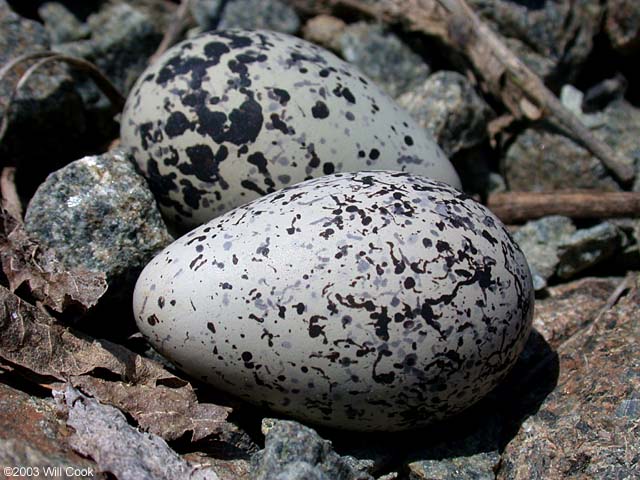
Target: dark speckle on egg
x=367 y=301
x=227 y=116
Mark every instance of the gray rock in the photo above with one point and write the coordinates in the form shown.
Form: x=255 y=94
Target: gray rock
x=480 y=466
x=61 y=24
x=293 y=451
x=540 y=241
x=206 y=13
x=46 y=110
x=557 y=35
x=540 y=64
x=621 y=130
x=97 y=213
x=162 y=14
x=122 y=40
x=465 y=449
x=622 y=25
x=259 y=14
x=448 y=106
x=541 y=159
x=497 y=183
x=383 y=57
x=572 y=98
x=586 y=248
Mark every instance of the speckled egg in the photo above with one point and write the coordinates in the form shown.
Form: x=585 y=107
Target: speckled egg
x=364 y=301
x=232 y=115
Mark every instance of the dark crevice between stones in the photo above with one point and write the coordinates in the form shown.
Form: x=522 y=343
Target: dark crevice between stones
x=26 y=381
x=29 y=8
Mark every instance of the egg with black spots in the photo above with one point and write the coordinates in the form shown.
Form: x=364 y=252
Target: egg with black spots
x=363 y=301
x=229 y=116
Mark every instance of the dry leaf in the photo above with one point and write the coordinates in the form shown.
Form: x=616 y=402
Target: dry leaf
x=159 y=401
x=102 y=433
x=24 y=260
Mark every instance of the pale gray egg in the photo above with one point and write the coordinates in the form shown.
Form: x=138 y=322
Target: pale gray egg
x=363 y=301
x=229 y=116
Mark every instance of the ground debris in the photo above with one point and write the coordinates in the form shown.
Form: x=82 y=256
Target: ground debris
x=103 y=434
x=26 y=262
x=34 y=343
x=588 y=426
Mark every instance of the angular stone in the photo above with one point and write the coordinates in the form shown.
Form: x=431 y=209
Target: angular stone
x=622 y=25
x=447 y=105
x=540 y=240
x=572 y=98
x=587 y=427
x=206 y=13
x=162 y=14
x=449 y=461
x=61 y=24
x=561 y=32
x=122 y=40
x=542 y=160
x=32 y=436
x=540 y=64
x=97 y=213
x=383 y=57
x=123 y=37
x=475 y=467
x=293 y=451
x=586 y=248
x=259 y=14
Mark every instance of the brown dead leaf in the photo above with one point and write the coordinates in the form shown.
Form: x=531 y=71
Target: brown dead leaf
x=159 y=401
x=24 y=260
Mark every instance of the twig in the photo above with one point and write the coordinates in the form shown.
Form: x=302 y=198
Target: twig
x=455 y=24
x=626 y=284
x=622 y=287
x=516 y=207
x=103 y=83
x=10 y=199
x=173 y=32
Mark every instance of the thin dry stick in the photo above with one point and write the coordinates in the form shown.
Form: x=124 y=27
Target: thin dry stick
x=10 y=199
x=515 y=207
x=622 y=287
x=103 y=83
x=173 y=32
x=455 y=24
x=626 y=284
x=11 y=64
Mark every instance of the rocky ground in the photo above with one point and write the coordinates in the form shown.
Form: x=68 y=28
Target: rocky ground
x=81 y=389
